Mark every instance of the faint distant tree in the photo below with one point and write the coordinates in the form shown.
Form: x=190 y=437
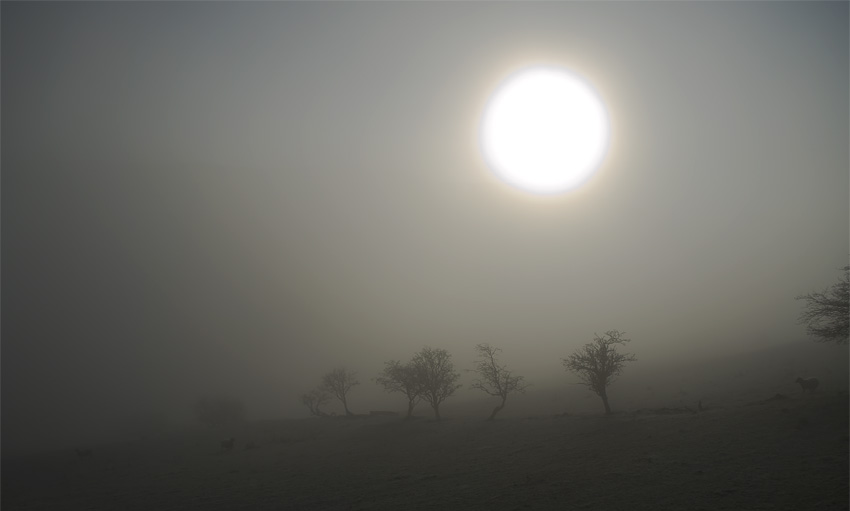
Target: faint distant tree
x=495 y=379
x=598 y=363
x=405 y=378
x=338 y=383
x=219 y=410
x=438 y=376
x=827 y=313
x=314 y=400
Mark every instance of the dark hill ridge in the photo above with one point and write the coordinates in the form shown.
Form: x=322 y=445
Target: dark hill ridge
x=773 y=453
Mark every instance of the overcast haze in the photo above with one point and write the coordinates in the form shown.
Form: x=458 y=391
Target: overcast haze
x=203 y=198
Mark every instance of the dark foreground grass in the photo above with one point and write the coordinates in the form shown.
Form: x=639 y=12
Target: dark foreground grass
x=777 y=454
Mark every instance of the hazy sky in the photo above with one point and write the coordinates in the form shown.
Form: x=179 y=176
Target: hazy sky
x=236 y=197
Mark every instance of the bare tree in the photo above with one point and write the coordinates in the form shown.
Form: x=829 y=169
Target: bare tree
x=827 y=314
x=598 y=363
x=338 y=382
x=495 y=379
x=314 y=400
x=404 y=378
x=438 y=376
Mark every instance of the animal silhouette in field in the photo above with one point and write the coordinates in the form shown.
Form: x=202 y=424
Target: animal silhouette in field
x=227 y=445
x=808 y=384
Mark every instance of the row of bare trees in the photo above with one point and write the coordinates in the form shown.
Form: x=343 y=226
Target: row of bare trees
x=430 y=376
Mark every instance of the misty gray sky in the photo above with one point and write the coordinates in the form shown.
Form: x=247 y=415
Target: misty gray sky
x=235 y=197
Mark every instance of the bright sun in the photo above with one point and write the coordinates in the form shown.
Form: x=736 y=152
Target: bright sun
x=545 y=130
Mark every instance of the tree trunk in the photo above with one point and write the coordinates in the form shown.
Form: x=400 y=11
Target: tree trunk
x=410 y=406
x=436 y=411
x=345 y=405
x=497 y=410
x=604 y=397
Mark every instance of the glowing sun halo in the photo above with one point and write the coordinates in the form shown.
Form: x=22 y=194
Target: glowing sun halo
x=544 y=130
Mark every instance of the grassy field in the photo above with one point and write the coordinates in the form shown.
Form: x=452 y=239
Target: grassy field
x=777 y=453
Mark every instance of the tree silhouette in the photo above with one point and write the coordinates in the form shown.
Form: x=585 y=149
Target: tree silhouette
x=827 y=314
x=598 y=363
x=438 y=376
x=495 y=379
x=314 y=400
x=404 y=378
x=338 y=382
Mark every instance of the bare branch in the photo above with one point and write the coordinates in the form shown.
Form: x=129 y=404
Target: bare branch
x=338 y=382
x=598 y=363
x=314 y=400
x=403 y=378
x=494 y=379
x=827 y=313
x=438 y=376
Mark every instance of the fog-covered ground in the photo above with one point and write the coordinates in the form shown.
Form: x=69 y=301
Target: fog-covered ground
x=780 y=453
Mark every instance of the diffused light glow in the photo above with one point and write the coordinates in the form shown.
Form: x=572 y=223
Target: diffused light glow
x=545 y=130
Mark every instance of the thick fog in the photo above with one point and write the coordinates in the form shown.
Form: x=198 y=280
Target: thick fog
x=234 y=198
